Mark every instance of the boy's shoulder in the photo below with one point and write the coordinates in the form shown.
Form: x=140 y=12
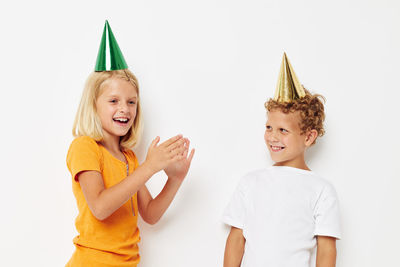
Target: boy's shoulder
x=277 y=171
x=254 y=177
x=257 y=173
x=285 y=175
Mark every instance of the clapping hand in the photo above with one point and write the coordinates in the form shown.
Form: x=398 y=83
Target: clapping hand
x=160 y=156
x=177 y=170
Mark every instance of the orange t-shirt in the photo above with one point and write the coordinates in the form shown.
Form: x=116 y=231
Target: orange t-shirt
x=113 y=241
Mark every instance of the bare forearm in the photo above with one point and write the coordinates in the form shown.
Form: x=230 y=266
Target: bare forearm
x=157 y=206
x=326 y=259
x=326 y=252
x=233 y=255
x=112 y=198
x=234 y=248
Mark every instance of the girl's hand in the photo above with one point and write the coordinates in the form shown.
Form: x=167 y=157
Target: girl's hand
x=160 y=156
x=178 y=169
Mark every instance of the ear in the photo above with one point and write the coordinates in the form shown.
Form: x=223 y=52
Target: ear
x=310 y=137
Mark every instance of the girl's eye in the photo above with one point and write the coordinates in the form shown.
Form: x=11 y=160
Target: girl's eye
x=268 y=127
x=283 y=130
x=132 y=102
x=113 y=101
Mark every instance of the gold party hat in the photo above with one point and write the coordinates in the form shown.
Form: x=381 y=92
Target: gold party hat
x=288 y=87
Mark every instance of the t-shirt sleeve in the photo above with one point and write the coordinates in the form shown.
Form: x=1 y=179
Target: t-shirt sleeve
x=83 y=155
x=326 y=214
x=235 y=212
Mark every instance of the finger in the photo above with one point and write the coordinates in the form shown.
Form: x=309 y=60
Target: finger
x=191 y=156
x=181 y=157
x=171 y=140
x=178 y=151
x=155 y=142
x=185 y=152
x=177 y=144
x=187 y=143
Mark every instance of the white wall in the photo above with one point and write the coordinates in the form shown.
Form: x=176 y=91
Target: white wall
x=205 y=69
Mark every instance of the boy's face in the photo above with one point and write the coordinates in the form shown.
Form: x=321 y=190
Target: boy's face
x=284 y=140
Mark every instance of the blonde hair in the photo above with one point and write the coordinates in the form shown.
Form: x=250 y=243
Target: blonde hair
x=87 y=122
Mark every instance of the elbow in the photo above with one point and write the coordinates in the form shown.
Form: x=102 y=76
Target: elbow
x=149 y=214
x=99 y=213
x=149 y=217
x=100 y=217
x=151 y=221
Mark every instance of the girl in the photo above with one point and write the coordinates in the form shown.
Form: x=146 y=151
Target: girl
x=108 y=183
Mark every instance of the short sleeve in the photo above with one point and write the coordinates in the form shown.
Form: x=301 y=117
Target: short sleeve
x=235 y=212
x=326 y=214
x=83 y=155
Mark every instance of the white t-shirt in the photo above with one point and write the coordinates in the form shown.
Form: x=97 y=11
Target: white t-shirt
x=281 y=210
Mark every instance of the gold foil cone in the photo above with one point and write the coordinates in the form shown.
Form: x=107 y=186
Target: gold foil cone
x=288 y=87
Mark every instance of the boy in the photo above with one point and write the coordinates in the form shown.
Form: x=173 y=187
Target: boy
x=279 y=215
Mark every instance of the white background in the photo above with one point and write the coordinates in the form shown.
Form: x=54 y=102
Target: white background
x=205 y=69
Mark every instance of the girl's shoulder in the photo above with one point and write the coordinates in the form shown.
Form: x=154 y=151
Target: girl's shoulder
x=84 y=154
x=84 y=143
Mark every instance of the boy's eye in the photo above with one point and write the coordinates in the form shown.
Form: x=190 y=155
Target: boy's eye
x=268 y=127
x=283 y=130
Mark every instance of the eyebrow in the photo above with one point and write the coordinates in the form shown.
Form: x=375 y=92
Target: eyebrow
x=116 y=96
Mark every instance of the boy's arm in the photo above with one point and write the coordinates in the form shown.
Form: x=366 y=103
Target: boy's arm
x=234 y=248
x=326 y=251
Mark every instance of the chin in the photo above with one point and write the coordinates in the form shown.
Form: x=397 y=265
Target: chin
x=275 y=158
x=279 y=160
x=120 y=134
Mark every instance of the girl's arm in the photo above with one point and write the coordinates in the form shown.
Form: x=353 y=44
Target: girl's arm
x=326 y=251
x=151 y=209
x=234 y=248
x=104 y=202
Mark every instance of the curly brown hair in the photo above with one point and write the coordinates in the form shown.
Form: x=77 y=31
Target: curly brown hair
x=311 y=110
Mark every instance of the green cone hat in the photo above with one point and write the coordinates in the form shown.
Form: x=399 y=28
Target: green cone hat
x=110 y=56
x=288 y=87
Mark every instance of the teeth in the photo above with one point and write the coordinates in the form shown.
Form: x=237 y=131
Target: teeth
x=121 y=119
x=277 y=147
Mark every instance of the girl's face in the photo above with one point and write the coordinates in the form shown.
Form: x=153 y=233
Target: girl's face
x=116 y=107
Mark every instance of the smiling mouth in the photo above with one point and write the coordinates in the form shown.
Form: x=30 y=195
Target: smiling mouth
x=121 y=120
x=276 y=148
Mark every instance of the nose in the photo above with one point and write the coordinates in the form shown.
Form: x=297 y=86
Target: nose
x=271 y=136
x=123 y=108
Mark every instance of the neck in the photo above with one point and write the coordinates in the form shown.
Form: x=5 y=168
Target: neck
x=298 y=163
x=111 y=143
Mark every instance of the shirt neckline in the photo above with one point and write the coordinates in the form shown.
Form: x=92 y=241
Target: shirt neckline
x=118 y=160
x=292 y=169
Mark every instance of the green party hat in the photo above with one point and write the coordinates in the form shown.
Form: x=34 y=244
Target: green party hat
x=288 y=87
x=110 y=56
